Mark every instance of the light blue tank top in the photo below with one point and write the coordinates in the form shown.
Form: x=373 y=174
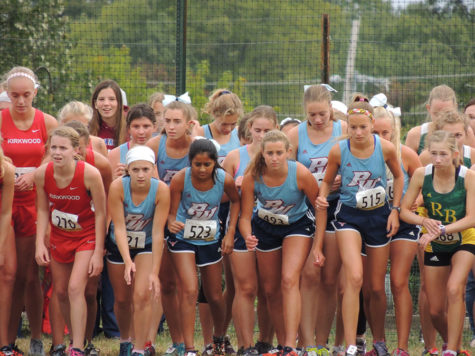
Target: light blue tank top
x=315 y=157
x=360 y=174
x=168 y=167
x=124 y=148
x=138 y=218
x=198 y=205
x=390 y=185
x=286 y=199
x=232 y=144
x=244 y=159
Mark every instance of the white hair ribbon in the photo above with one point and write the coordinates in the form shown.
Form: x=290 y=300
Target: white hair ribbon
x=215 y=143
x=184 y=98
x=381 y=100
x=327 y=87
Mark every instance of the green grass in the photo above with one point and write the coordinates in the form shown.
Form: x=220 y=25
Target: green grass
x=110 y=347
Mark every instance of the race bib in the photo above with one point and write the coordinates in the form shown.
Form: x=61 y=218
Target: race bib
x=390 y=190
x=65 y=221
x=136 y=239
x=319 y=177
x=449 y=239
x=200 y=230
x=271 y=218
x=370 y=198
x=19 y=171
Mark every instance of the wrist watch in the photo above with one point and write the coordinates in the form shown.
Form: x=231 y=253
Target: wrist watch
x=396 y=208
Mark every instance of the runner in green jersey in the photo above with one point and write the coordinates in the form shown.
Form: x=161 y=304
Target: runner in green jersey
x=448 y=235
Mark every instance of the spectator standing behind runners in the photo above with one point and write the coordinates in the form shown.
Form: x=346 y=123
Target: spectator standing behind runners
x=78 y=111
x=71 y=199
x=171 y=150
x=260 y=121
x=363 y=214
x=8 y=261
x=196 y=193
x=403 y=246
x=448 y=191
x=311 y=141
x=138 y=205
x=280 y=229
x=25 y=132
x=107 y=121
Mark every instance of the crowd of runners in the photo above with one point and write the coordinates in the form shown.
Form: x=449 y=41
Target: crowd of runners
x=162 y=215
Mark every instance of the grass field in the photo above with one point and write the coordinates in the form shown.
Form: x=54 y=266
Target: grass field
x=110 y=347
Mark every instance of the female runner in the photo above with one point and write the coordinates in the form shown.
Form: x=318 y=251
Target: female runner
x=25 y=132
x=71 y=199
x=171 y=151
x=458 y=124
x=107 y=121
x=138 y=205
x=78 y=111
x=311 y=141
x=363 y=214
x=281 y=229
x=260 y=121
x=140 y=124
x=196 y=194
x=448 y=235
x=403 y=247
x=8 y=261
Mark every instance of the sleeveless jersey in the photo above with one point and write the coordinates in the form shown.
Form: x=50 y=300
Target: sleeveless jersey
x=447 y=208
x=168 y=167
x=467 y=156
x=362 y=177
x=315 y=157
x=123 y=149
x=232 y=144
x=422 y=140
x=196 y=206
x=71 y=208
x=25 y=148
x=390 y=184
x=138 y=218
x=284 y=200
x=90 y=154
x=108 y=135
x=244 y=160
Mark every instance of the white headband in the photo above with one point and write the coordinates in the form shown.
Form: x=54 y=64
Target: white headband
x=23 y=74
x=140 y=153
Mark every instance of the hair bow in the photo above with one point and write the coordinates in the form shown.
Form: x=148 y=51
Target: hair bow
x=184 y=98
x=381 y=100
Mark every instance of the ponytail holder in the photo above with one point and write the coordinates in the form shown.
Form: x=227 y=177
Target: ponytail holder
x=224 y=92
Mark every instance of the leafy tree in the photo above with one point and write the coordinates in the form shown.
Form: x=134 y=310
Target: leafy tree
x=34 y=35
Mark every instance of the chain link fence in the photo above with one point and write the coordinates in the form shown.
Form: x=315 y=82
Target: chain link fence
x=265 y=51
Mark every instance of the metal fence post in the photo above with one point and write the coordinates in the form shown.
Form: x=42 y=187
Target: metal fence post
x=181 y=8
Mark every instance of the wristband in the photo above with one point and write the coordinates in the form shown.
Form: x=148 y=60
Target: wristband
x=442 y=230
